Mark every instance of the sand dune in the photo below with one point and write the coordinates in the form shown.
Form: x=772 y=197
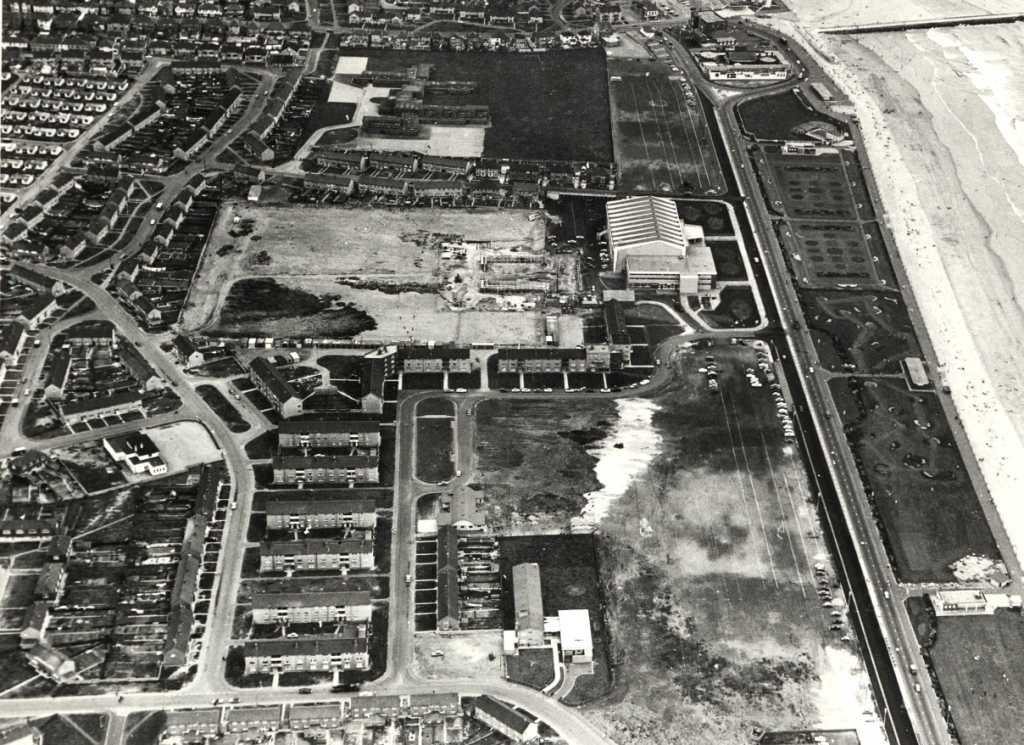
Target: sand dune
x=816 y=13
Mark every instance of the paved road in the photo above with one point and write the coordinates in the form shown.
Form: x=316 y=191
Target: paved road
x=903 y=650
x=225 y=589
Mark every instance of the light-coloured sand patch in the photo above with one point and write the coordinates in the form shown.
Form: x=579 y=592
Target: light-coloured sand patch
x=184 y=445
x=816 y=13
x=476 y=655
x=351 y=65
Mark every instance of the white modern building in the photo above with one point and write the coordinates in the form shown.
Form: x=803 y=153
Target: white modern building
x=657 y=251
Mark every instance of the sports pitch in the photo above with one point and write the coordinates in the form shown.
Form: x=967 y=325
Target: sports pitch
x=662 y=142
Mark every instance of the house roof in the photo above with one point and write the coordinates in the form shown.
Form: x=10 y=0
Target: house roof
x=308 y=646
x=320 y=460
x=316 y=546
x=319 y=506
x=309 y=599
x=273 y=379
x=328 y=426
x=85 y=405
x=513 y=718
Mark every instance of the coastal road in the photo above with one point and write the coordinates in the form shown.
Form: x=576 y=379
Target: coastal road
x=890 y=657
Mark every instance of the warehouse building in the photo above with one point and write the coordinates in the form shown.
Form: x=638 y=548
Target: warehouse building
x=657 y=251
x=311 y=607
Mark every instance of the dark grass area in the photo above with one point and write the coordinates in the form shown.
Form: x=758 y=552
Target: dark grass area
x=434 y=450
x=382 y=544
x=736 y=310
x=262 y=446
x=422 y=381
x=223 y=408
x=257 y=527
x=469 y=380
x=550 y=106
x=774 y=117
x=144 y=728
x=531 y=667
x=225 y=367
x=253 y=302
x=863 y=332
x=435 y=406
x=914 y=477
x=14 y=668
x=836 y=254
x=594 y=381
x=341 y=365
x=728 y=261
x=554 y=381
x=569 y=580
x=977 y=662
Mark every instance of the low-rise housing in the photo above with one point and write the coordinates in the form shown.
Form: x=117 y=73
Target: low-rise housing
x=294 y=510
x=321 y=468
x=311 y=654
x=329 y=433
x=312 y=554
x=311 y=607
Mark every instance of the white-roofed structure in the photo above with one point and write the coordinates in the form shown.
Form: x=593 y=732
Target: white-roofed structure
x=574 y=636
x=657 y=251
x=647 y=226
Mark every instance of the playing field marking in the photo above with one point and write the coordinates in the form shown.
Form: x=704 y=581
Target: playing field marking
x=750 y=479
x=636 y=101
x=657 y=97
x=782 y=512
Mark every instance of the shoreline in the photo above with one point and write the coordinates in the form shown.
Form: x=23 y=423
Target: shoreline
x=994 y=443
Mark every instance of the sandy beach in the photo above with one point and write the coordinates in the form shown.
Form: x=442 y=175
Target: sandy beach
x=942 y=114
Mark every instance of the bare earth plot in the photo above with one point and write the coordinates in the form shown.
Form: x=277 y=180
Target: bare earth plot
x=301 y=272
x=662 y=142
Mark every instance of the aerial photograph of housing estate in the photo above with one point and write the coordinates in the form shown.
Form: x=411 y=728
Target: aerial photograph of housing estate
x=476 y=372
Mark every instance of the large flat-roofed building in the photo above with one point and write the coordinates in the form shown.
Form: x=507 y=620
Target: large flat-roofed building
x=657 y=251
x=294 y=510
x=336 y=433
x=574 y=636
x=321 y=468
x=316 y=654
x=311 y=607
x=528 y=605
x=971 y=602
x=287 y=556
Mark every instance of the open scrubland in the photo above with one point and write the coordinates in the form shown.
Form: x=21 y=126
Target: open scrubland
x=708 y=538
x=292 y=271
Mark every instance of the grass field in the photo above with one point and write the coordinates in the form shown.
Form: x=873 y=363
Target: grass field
x=977 y=661
x=550 y=106
x=779 y=117
x=223 y=408
x=662 y=142
x=866 y=333
x=434 y=449
x=914 y=476
x=532 y=457
x=831 y=254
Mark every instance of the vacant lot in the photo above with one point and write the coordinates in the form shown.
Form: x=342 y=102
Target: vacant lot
x=346 y=272
x=866 y=333
x=977 y=660
x=184 y=445
x=662 y=140
x=550 y=106
x=914 y=476
x=532 y=457
x=713 y=607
